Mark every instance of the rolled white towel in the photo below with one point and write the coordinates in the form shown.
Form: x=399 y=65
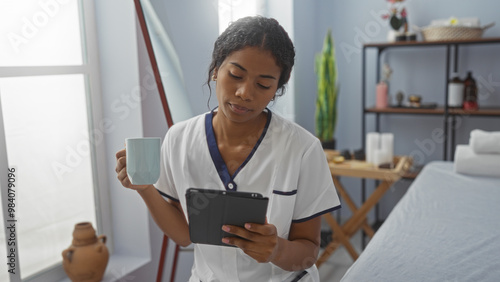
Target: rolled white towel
x=468 y=162
x=484 y=142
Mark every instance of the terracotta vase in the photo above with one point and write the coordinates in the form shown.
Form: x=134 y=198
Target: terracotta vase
x=87 y=257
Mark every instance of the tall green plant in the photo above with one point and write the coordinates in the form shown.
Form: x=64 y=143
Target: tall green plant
x=326 y=102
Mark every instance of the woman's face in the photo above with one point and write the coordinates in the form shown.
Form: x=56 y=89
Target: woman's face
x=247 y=81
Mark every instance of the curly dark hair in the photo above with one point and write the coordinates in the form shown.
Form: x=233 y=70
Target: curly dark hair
x=259 y=31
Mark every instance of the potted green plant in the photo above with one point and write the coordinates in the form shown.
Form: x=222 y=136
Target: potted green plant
x=326 y=102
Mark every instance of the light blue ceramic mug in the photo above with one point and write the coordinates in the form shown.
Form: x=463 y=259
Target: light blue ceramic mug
x=143 y=160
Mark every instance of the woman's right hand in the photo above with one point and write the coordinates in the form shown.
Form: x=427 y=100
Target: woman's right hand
x=121 y=171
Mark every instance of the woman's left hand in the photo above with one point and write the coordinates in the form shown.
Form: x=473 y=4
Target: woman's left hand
x=260 y=241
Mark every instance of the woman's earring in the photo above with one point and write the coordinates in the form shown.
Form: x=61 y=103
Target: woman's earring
x=214 y=78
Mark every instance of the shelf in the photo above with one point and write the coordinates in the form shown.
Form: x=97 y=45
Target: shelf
x=435 y=111
x=480 y=112
x=382 y=45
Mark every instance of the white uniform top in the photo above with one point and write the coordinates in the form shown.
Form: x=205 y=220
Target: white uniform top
x=287 y=165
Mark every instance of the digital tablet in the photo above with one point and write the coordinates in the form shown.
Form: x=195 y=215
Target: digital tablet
x=209 y=209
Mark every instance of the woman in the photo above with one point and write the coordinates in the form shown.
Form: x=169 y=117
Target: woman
x=243 y=146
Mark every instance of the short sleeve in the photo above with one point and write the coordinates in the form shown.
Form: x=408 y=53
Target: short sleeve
x=316 y=194
x=165 y=184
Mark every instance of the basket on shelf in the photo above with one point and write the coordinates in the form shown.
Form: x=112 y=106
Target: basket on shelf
x=441 y=33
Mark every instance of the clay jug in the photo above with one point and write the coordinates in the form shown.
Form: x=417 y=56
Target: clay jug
x=87 y=257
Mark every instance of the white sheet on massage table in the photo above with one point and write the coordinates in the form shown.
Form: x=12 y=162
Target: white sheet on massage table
x=445 y=228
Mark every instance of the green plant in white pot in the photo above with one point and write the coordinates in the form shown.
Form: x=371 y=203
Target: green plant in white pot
x=326 y=102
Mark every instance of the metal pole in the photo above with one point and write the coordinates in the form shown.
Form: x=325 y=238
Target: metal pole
x=445 y=143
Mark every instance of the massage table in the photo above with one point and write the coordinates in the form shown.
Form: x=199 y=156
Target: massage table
x=445 y=228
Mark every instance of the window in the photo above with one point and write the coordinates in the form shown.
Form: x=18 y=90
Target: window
x=48 y=98
x=231 y=10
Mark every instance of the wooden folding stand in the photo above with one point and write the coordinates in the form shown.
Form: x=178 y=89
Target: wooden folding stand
x=359 y=169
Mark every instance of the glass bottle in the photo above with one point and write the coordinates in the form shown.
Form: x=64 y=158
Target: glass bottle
x=470 y=93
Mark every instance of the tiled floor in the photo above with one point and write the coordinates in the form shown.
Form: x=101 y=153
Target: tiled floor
x=336 y=266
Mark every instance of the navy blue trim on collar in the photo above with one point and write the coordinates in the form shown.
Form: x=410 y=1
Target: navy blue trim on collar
x=219 y=163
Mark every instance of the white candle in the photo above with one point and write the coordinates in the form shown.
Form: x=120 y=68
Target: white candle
x=372 y=144
x=387 y=145
x=379 y=157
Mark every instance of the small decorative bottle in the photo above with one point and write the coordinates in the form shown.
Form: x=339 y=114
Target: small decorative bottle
x=381 y=99
x=470 y=93
x=87 y=257
x=455 y=92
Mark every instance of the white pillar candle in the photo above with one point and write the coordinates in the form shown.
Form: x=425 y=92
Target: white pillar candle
x=372 y=144
x=379 y=157
x=387 y=145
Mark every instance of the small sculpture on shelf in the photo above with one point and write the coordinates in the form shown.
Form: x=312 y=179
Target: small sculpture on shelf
x=400 y=96
x=415 y=101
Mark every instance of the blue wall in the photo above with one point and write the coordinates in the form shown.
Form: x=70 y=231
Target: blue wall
x=416 y=71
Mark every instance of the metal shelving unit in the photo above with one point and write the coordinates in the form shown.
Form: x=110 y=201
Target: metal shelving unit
x=449 y=114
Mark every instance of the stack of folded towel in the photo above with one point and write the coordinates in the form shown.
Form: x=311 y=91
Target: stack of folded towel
x=481 y=156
